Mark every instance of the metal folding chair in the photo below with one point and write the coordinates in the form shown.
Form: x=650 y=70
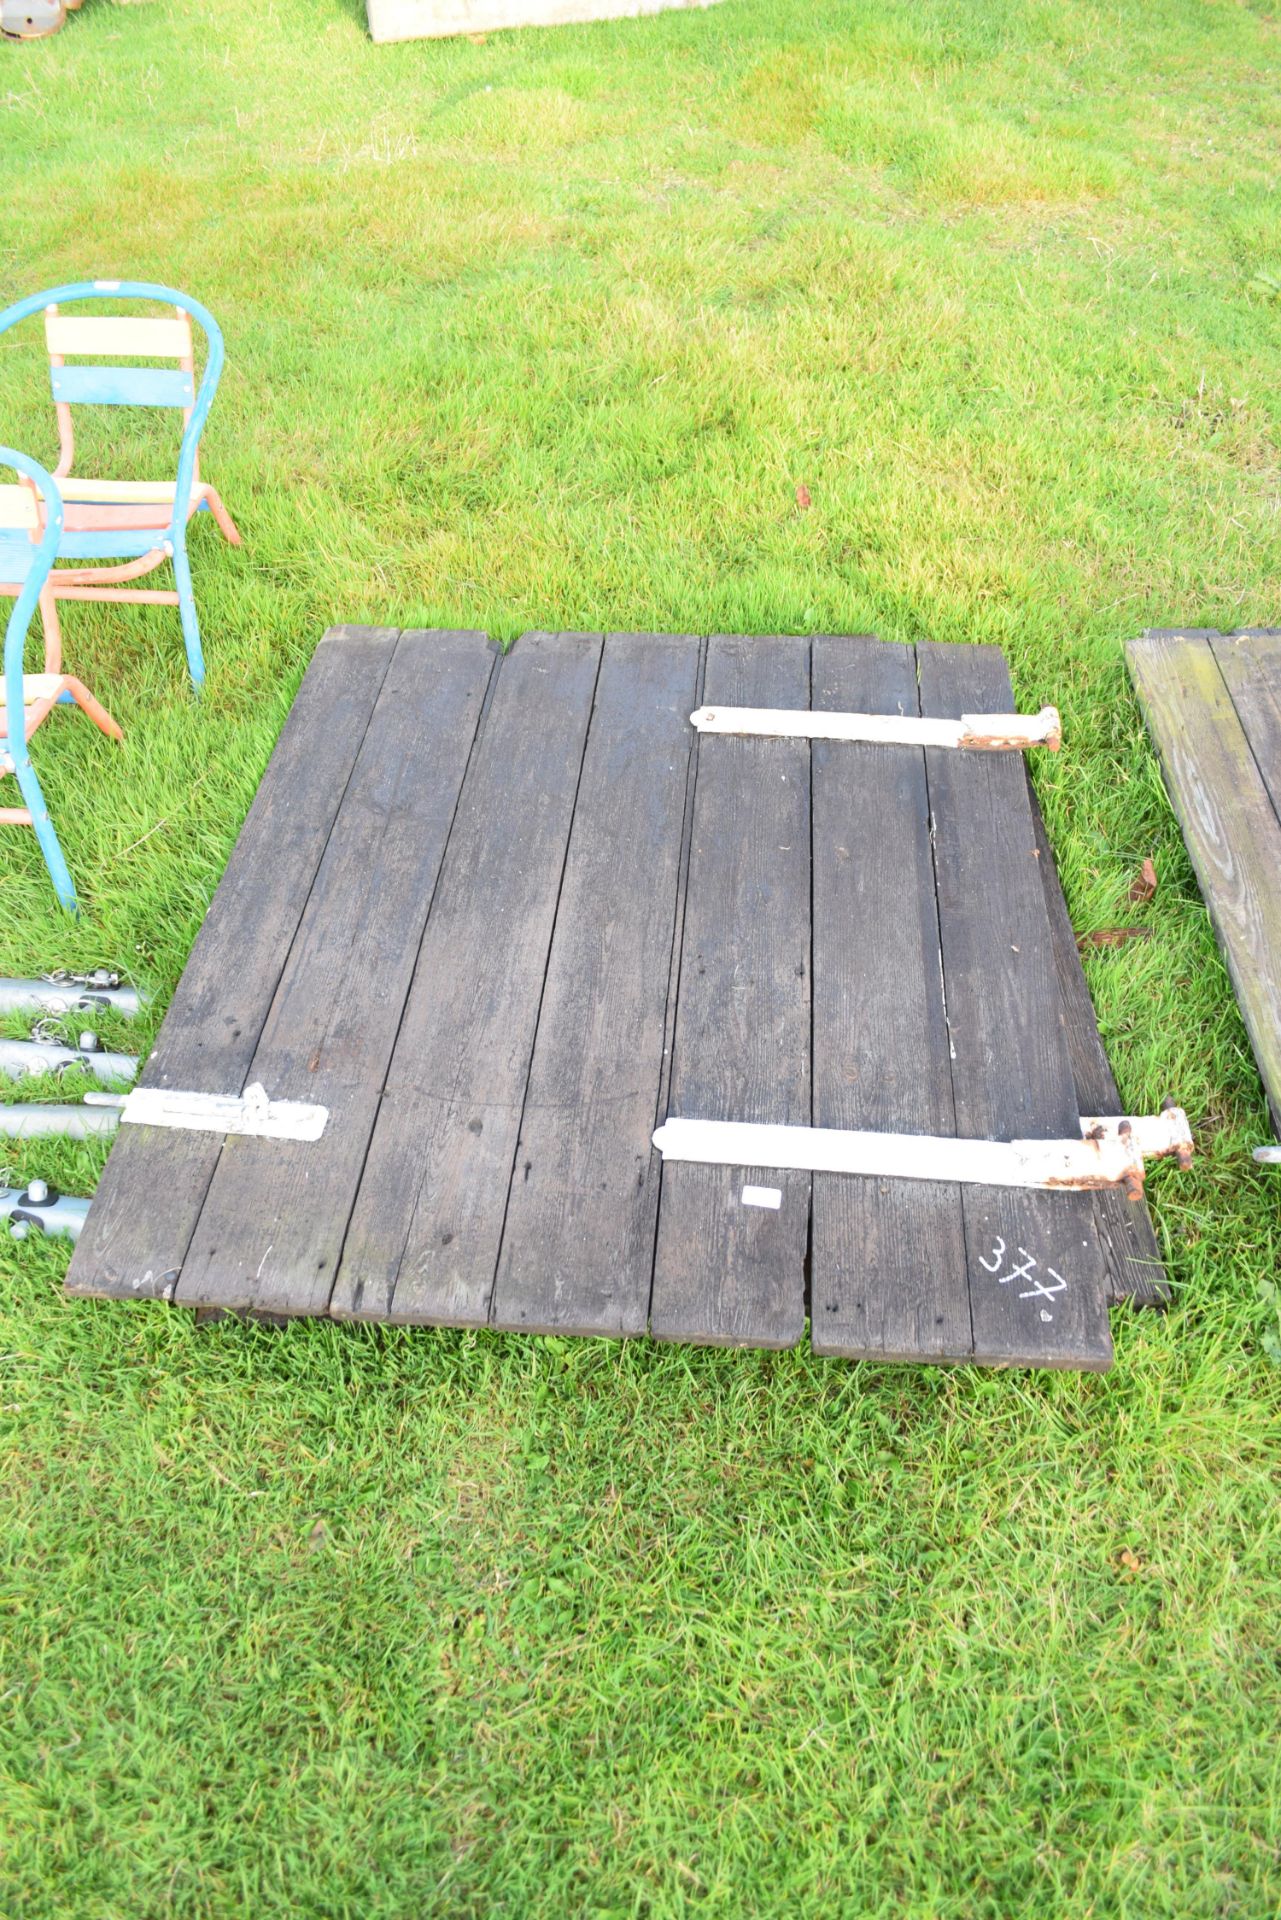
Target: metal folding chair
x=135 y=525
x=30 y=530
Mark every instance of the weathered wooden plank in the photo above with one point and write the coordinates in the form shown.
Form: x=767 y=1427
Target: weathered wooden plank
x=425 y=1231
x=578 y=1245
x=1038 y=1294
x=1131 y=1254
x=276 y=1214
x=727 y=1274
x=887 y=1257
x=1250 y=662
x=1229 y=824
x=435 y=19
x=154 y=1184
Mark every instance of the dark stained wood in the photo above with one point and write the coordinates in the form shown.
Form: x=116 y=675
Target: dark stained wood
x=888 y=1270
x=276 y=1212
x=502 y=916
x=578 y=1245
x=726 y=1274
x=153 y=1187
x=425 y=1232
x=1011 y=1072
x=663 y=1103
x=1229 y=823
x=1132 y=1256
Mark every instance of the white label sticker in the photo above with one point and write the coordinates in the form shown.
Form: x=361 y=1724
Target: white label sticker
x=771 y=1197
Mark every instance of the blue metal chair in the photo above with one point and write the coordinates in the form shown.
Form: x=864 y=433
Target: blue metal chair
x=135 y=525
x=30 y=530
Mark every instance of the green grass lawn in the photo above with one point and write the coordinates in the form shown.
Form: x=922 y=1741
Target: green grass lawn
x=547 y=331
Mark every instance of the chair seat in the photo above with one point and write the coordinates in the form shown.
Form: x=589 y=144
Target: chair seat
x=126 y=493
x=118 y=544
x=119 y=506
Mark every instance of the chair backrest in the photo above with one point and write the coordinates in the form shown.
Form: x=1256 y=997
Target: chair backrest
x=77 y=336
x=97 y=336
x=30 y=529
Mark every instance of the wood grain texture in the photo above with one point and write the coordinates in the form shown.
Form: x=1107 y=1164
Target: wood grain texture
x=578 y=1244
x=888 y=1268
x=1133 y=1259
x=425 y=1232
x=152 y=1189
x=275 y=1217
x=726 y=1274
x=1250 y=662
x=504 y=916
x=1229 y=823
x=1038 y=1290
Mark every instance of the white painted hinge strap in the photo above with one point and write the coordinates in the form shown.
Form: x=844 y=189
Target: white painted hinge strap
x=1105 y=1156
x=250 y=1113
x=986 y=732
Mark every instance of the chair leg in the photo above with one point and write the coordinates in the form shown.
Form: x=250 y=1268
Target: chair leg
x=226 y=524
x=94 y=708
x=187 y=611
x=52 y=631
x=49 y=846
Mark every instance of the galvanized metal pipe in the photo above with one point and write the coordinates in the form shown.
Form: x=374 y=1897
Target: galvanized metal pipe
x=38 y=1208
x=71 y=996
x=77 y=1123
x=18 y=1058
